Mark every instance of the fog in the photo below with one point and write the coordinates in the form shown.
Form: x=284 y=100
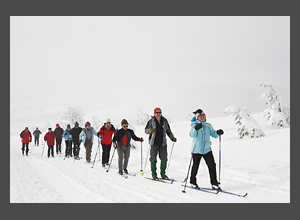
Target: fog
x=117 y=65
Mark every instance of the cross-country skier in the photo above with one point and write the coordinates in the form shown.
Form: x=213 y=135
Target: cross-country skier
x=75 y=132
x=58 y=137
x=68 y=141
x=201 y=147
x=26 y=138
x=105 y=133
x=50 y=138
x=121 y=141
x=36 y=134
x=87 y=137
x=158 y=128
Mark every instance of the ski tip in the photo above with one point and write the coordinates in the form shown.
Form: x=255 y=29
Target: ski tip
x=245 y=195
x=183 y=191
x=172 y=181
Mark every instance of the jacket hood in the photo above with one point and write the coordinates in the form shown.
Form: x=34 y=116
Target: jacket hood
x=194 y=121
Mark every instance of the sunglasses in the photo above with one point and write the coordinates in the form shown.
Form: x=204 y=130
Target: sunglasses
x=157 y=112
x=125 y=126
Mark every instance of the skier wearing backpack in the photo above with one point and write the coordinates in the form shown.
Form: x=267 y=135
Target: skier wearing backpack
x=87 y=137
x=121 y=141
x=58 y=137
x=68 y=141
x=50 y=138
x=26 y=138
x=105 y=133
x=75 y=132
x=201 y=147
x=36 y=134
x=158 y=128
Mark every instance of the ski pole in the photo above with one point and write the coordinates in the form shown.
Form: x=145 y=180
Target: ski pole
x=99 y=147
x=220 y=159
x=146 y=160
x=170 y=157
x=43 y=149
x=187 y=176
x=95 y=156
x=141 y=159
x=111 y=159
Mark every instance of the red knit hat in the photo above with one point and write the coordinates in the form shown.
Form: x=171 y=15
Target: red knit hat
x=87 y=123
x=157 y=109
x=26 y=128
x=57 y=124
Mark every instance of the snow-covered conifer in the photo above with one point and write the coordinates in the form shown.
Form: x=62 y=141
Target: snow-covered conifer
x=276 y=115
x=247 y=126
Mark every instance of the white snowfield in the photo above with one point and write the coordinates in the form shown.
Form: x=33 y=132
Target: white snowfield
x=260 y=167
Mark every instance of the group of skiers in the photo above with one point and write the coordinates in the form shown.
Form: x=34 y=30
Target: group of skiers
x=157 y=128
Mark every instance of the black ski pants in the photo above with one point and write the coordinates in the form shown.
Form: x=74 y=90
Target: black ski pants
x=36 y=140
x=68 y=148
x=50 y=148
x=25 y=145
x=210 y=162
x=105 y=153
x=58 y=145
x=76 y=148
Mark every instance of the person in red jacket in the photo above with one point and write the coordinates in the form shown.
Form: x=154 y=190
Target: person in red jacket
x=26 y=138
x=105 y=133
x=50 y=138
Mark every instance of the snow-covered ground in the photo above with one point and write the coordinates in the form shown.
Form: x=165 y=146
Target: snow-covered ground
x=260 y=167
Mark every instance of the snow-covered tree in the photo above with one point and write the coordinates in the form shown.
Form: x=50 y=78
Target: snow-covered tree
x=96 y=122
x=276 y=115
x=142 y=118
x=72 y=115
x=247 y=126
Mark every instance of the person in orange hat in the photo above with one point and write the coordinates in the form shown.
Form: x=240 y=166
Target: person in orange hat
x=158 y=128
x=26 y=138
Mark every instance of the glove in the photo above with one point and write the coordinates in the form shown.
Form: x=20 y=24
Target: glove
x=101 y=137
x=174 y=139
x=115 y=146
x=220 y=132
x=141 y=139
x=198 y=126
x=45 y=139
x=153 y=130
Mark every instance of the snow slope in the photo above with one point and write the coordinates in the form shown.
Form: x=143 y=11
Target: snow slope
x=260 y=167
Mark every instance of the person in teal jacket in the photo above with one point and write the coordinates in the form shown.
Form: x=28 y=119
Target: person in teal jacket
x=87 y=137
x=68 y=140
x=201 y=147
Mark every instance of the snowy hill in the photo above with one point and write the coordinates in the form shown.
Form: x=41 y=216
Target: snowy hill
x=260 y=167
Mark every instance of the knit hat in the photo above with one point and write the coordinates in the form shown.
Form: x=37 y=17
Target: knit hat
x=108 y=120
x=26 y=128
x=57 y=124
x=68 y=126
x=76 y=123
x=198 y=111
x=87 y=123
x=157 y=109
x=124 y=122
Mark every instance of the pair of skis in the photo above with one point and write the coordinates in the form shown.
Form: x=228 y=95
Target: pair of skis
x=203 y=189
x=215 y=191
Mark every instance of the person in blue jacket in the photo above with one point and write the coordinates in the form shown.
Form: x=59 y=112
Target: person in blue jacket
x=87 y=137
x=68 y=140
x=201 y=147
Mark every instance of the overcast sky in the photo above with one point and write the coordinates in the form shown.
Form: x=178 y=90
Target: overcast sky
x=179 y=63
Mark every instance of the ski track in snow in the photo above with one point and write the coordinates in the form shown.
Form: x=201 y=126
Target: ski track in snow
x=42 y=180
